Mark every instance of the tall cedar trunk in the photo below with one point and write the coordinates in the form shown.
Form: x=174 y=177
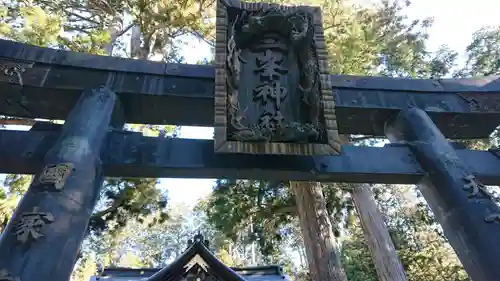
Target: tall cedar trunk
x=321 y=251
x=135 y=42
x=138 y=51
x=385 y=258
x=114 y=31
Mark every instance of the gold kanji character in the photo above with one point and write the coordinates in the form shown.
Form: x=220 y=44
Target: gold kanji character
x=56 y=174
x=31 y=224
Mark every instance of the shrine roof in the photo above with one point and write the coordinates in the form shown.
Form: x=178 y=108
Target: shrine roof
x=256 y=273
x=197 y=261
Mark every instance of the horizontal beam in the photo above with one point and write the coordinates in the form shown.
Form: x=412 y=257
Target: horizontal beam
x=129 y=154
x=31 y=53
x=182 y=94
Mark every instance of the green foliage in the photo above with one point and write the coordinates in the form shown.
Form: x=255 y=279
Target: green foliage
x=419 y=240
x=124 y=199
x=85 y=269
x=356 y=257
x=14 y=188
x=264 y=213
x=145 y=245
x=29 y=24
x=483 y=54
x=234 y=204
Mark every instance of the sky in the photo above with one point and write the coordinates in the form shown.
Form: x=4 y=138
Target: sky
x=454 y=23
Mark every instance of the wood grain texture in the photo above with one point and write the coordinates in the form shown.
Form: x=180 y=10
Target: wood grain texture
x=222 y=143
x=323 y=256
x=221 y=103
x=384 y=255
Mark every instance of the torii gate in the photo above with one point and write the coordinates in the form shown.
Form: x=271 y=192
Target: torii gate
x=276 y=117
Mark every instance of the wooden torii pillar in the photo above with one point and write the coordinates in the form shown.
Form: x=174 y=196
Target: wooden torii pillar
x=461 y=204
x=44 y=235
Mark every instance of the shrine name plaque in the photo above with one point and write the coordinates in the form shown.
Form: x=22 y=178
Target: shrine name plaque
x=273 y=93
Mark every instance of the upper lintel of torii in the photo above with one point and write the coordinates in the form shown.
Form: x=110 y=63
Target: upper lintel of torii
x=160 y=93
x=196 y=263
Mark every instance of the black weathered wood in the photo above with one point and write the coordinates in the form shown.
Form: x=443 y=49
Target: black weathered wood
x=130 y=154
x=368 y=110
x=462 y=214
x=180 y=94
x=52 y=256
x=25 y=52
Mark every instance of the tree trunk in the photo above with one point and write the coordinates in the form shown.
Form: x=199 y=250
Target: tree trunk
x=321 y=250
x=385 y=258
x=135 y=42
x=114 y=31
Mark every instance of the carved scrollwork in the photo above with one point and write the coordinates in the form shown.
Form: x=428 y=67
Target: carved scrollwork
x=480 y=193
x=14 y=70
x=270 y=33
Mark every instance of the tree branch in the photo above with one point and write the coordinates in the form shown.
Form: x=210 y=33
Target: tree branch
x=125 y=30
x=82 y=17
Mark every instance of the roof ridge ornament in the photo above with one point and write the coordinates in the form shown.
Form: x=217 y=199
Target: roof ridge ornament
x=198 y=238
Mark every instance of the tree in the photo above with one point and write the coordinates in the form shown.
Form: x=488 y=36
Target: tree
x=155 y=25
x=270 y=207
x=483 y=54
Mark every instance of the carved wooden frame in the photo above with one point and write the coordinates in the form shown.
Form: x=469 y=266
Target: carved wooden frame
x=222 y=144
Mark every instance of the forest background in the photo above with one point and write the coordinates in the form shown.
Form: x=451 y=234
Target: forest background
x=250 y=222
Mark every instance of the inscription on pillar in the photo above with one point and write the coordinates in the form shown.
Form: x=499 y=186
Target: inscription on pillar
x=31 y=224
x=273 y=90
x=55 y=175
x=480 y=193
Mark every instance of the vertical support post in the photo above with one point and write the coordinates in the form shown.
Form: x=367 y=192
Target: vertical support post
x=461 y=204
x=43 y=237
x=384 y=255
x=322 y=253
